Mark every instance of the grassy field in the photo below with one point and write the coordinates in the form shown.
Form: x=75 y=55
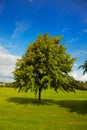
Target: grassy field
x=58 y=111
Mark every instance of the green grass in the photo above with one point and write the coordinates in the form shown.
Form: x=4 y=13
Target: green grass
x=57 y=111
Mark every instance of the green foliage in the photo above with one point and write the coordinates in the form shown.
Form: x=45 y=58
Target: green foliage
x=1 y=85
x=45 y=64
x=7 y=85
x=80 y=85
x=84 y=66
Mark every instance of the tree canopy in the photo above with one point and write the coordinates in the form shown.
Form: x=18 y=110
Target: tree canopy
x=45 y=64
x=84 y=67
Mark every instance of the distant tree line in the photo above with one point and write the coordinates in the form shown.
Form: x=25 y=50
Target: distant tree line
x=78 y=85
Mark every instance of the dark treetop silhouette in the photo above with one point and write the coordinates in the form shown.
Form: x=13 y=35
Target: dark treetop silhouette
x=84 y=66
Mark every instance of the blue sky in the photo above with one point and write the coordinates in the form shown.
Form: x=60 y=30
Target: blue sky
x=22 y=20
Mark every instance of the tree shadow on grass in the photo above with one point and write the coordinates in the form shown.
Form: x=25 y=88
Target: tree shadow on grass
x=31 y=101
x=78 y=106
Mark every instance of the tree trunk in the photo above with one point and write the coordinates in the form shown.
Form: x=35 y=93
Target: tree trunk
x=39 y=94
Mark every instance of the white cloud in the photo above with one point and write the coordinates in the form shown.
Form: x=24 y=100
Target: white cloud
x=21 y=27
x=78 y=75
x=79 y=53
x=8 y=44
x=11 y=45
x=73 y=40
x=65 y=29
x=3 y=40
x=85 y=30
x=7 y=65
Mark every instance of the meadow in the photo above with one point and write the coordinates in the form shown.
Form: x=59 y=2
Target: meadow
x=57 y=111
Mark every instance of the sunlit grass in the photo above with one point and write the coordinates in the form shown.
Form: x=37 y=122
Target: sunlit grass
x=57 y=111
